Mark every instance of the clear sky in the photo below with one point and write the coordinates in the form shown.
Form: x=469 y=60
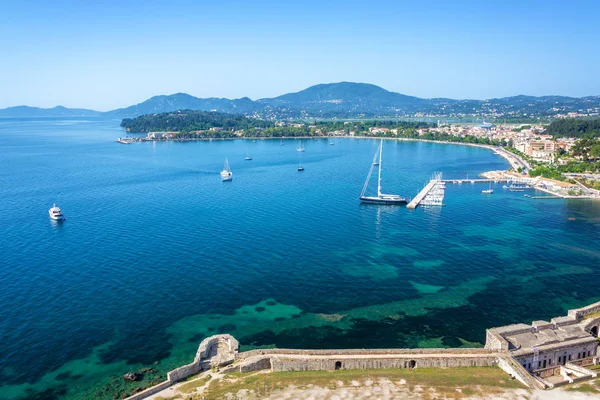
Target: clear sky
x=116 y=53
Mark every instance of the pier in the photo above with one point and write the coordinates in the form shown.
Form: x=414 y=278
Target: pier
x=475 y=180
x=432 y=193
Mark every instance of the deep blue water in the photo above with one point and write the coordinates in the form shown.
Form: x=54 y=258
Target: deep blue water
x=157 y=253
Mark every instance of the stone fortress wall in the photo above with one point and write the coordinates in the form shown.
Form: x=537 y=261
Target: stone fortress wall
x=222 y=351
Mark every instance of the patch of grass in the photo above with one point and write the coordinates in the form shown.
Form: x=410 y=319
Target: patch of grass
x=585 y=388
x=489 y=379
x=592 y=315
x=193 y=385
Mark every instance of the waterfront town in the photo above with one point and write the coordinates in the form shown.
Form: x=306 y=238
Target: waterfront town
x=528 y=139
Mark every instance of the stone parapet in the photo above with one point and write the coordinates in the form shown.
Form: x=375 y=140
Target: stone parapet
x=362 y=352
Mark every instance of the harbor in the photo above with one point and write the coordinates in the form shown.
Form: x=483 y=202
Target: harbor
x=361 y=249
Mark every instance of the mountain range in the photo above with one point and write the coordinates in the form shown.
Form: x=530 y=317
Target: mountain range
x=343 y=99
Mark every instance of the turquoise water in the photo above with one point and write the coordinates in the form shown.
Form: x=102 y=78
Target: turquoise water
x=157 y=252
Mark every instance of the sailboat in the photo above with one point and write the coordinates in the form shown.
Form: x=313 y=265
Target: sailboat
x=381 y=198
x=248 y=157
x=301 y=147
x=281 y=142
x=226 y=174
x=300 y=167
x=489 y=190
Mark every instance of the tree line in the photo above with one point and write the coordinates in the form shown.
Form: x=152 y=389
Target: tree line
x=574 y=127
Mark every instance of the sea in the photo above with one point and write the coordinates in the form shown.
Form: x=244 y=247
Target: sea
x=156 y=253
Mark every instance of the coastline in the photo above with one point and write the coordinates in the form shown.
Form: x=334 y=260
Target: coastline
x=515 y=161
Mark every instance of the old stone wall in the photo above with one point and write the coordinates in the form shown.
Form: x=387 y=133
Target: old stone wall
x=150 y=391
x=257 y=363
x=494 y=341
x=513 y=368
x=290 y=363
x=365 y=352
x=226 y=347
x=584 y=311
x=207 y=344
x=183 y=372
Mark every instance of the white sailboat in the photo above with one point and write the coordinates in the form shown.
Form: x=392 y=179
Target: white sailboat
x=300 y=147
x=248 y=157
x=381 y=198
x=489 y=190
x=226 y=174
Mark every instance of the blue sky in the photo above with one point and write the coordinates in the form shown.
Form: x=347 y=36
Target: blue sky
x=113 y=54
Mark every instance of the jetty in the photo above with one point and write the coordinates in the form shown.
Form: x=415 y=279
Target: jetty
x=432 y=193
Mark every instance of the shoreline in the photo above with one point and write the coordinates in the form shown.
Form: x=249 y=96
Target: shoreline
x=514 y=160
x=220 y=354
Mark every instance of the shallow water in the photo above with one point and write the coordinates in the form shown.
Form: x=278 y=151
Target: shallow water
x=157 y=252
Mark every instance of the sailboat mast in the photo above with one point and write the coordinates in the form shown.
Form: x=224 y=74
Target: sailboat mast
x=379 y=174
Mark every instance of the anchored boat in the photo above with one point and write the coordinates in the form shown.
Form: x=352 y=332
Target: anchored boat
x=55 y=213
x=488 y=190
x=381 y=198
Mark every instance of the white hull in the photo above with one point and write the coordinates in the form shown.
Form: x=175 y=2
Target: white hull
x=226 y=176
x=55 y=214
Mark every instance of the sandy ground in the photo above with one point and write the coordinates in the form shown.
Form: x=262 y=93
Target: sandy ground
x=385 y=389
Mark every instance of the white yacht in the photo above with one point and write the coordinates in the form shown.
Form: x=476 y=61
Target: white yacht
x=226 y=174
x=55 y=213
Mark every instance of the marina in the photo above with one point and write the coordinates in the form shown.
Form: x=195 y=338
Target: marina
x=430 y=189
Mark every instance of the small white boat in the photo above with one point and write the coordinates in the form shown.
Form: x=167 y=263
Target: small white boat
x=489 y=190
x=300 y=148
x=226 y=174
x=55 y=213
x=248 y=157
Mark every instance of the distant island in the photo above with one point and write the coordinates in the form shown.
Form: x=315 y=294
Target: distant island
x=347 y=100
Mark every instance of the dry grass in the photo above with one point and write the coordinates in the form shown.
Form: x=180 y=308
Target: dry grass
x=193 y=385
x=445 y=382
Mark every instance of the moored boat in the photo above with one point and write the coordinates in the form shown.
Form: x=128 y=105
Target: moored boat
x=381 y=198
